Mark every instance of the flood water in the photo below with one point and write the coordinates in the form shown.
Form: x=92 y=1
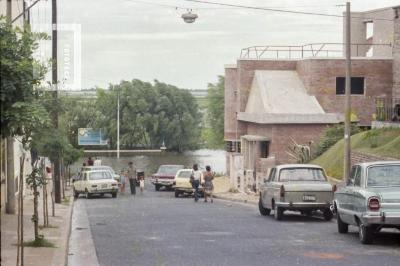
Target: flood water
x=150 y=162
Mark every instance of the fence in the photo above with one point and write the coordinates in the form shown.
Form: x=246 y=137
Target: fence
x=387 y=109
x=312 y=50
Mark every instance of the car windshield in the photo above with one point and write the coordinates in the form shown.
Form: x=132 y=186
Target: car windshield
x=301 y=174
x=184 y=174
x=169 y=169
x=383 y=176
x=100 y=175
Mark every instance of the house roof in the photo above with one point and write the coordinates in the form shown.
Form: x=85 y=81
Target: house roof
x=279 y=96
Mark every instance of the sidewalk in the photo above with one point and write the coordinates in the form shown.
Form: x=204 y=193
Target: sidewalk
x=238 y=197
x=58 y=234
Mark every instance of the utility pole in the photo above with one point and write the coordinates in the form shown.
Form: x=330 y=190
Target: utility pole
x=9 y=10
x=347 y=123
x=57 y=168
x=118 y=126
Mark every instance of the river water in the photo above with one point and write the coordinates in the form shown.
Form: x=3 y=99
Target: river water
x=150 y=162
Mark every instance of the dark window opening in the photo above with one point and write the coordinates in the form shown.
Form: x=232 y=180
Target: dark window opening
x=264 y=149
x=357 y=85
x=233 y=146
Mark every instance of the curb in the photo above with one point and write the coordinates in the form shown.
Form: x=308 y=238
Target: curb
x=235 y=200
x=69 y=227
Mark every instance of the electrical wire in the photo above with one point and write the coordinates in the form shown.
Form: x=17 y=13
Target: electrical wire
x=280 y=10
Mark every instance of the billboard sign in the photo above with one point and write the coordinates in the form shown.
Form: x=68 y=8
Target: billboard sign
x=90 y=136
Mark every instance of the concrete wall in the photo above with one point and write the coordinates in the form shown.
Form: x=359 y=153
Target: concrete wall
x=382 y=32
x=231 y=97
x=359 y=157
x=281 y=135
x=319 y=78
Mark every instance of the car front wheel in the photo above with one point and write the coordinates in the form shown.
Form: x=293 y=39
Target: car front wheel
x=114 y=195
x=177 y=194
x=88 y=195
x=278 y=213
x=157 y=187
x=263 y=211
x=366 y=234
x=343 y=228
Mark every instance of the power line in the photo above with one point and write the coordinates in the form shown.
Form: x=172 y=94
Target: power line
x=280 y=10
x=213 y=8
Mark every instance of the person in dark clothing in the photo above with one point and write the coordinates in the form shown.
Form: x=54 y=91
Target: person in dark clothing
x=132 y=177
x=90 y=161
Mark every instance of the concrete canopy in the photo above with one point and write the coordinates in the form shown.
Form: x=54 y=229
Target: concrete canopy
x=279 y=97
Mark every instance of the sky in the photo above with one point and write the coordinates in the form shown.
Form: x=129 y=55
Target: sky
x=148 y=40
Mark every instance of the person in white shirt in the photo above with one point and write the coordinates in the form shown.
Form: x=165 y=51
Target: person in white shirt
x=196 y=178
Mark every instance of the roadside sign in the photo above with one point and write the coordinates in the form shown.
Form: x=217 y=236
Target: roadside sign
x=90 y=136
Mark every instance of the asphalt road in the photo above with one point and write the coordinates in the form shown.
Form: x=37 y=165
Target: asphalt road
x=157 y=229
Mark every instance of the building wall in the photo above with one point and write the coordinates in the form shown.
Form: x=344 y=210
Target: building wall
x=382 y=31
x=319 y=77
x=230 y=122
x=282 y=134
x=396 y=56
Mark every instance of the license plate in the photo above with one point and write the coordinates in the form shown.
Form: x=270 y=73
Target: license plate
x=104 y=186
x=309 y=198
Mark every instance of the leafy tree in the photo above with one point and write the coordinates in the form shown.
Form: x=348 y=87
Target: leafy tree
x=214 y=130
x=20 y=72
x=149 y=115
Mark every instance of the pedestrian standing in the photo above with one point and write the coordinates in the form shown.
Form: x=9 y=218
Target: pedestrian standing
x=90 y=162
x=195 y=179
x=141 y=182
x=132 y=178
x=208 y=177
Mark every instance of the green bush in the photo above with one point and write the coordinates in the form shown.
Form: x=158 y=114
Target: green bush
x=330 y=136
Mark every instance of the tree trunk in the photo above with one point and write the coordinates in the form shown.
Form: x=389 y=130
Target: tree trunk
x=52 y=193
x=21 y=212
x=35 y=211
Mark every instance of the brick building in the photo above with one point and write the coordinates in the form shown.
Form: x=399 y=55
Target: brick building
x=277 y=95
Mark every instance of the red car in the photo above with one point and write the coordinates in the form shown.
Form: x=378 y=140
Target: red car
x=165 y=176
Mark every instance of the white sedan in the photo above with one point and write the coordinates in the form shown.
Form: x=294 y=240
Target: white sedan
x=95 y=182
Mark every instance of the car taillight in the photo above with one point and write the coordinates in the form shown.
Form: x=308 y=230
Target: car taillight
x=113 y=185
x=94 y=185
x=373 y=204
x=334 y=188
x=282 y=191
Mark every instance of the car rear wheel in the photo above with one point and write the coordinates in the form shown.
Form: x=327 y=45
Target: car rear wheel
x=278 y=213
x=366 y=234
x=157 y=187
x=263 y=211
x=76 y=194
x=177 y=193
x=114 y=195
x=87 y=194
x=328 y=215
x=343 y=228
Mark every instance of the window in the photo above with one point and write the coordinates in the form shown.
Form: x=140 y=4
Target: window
x=357 y=177
x=384 y=176
x=357 y=85
x=301 y=174
x=271 y=174
x=264 y=145
x=350 y=181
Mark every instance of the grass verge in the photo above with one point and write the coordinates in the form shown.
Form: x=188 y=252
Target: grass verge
x=39 y=243
x=380 y=142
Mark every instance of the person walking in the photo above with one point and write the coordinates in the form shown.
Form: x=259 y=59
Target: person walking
x=132 y=178
x=208 y=183
x=195 y=179
x=122 y=180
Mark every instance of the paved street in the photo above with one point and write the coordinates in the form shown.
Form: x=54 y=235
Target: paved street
x=158 y=229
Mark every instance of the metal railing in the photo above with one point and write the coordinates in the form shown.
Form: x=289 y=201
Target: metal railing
x=313 y=50
x=387 y=109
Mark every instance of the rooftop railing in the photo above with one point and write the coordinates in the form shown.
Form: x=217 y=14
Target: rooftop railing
x=314 y=50
x=387 y=109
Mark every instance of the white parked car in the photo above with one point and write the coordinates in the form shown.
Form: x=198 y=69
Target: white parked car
x=95 y=182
